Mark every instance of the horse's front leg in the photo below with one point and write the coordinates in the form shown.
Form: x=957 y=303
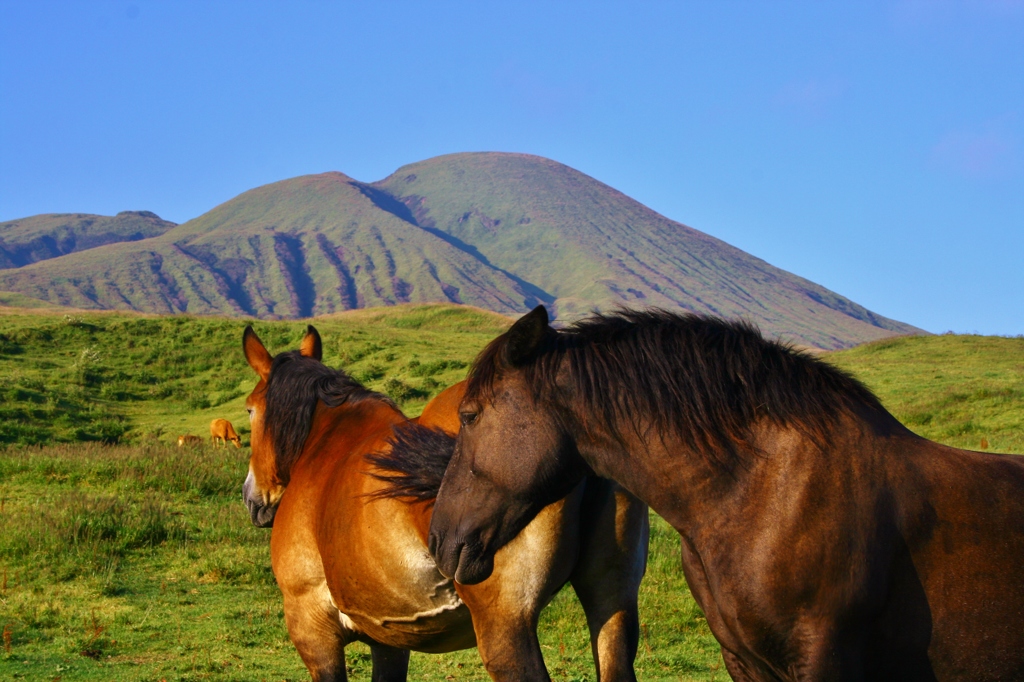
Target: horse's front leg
x=316 y=630
x=508 y=645
x=527 y=574
x=613 y=558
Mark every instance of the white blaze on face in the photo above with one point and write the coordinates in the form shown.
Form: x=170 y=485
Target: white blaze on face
x=252 y=490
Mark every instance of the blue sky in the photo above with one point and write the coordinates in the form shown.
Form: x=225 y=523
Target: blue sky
x=875 y=148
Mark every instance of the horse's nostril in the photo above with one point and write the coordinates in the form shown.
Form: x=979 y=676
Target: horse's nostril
x=432 y=544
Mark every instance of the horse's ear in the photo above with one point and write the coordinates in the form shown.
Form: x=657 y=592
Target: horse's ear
x=526 y=335
x=256 y=353
x=311 y=346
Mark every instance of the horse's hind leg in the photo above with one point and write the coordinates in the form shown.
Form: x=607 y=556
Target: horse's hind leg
x=607 y=577
x=389 y=664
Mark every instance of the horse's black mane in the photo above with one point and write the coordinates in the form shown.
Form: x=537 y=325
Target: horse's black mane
x=705 y=379
x=416 y=463
x=295 y=385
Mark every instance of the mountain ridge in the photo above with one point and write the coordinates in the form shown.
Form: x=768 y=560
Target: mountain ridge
x=24 y=241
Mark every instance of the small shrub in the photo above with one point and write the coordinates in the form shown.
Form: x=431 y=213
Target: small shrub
x=401 y=392
x=371 y=373
x=116 y=391
x=160 y=391
x=428 y=369
x=197 y=401
x=104 y=430
x=8 y=346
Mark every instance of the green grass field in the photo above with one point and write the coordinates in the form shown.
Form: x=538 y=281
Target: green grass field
x=137 y=561
x=966 y=391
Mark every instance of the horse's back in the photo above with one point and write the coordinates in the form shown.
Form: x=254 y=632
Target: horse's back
x=443 y=411
x=965 y=535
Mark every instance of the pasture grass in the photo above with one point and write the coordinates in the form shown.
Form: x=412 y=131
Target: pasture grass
x=962 y=390
x=124 y=558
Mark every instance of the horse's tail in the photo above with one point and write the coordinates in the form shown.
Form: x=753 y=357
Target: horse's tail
x=415 y=464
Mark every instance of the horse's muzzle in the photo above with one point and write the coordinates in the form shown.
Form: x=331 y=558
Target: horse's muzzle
x=262 y=515
x=461 y=560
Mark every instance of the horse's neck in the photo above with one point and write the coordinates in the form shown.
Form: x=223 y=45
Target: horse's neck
x=693 y=490
x=660 y=472
x=349 y=429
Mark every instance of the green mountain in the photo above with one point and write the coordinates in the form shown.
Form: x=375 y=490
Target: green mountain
x=587 y=245
x=52 y=235
x=498 y=231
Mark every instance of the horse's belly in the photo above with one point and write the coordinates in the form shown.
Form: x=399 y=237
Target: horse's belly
x=402 y=600
x=433 y=632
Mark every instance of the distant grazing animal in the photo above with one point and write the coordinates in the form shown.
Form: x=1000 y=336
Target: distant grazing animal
x=221 y=431
x=822 y=539
x=347 y=482
x=189 y=440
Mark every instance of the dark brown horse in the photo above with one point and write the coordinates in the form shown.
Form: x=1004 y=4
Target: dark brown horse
x=348 y=485
x=823 y=540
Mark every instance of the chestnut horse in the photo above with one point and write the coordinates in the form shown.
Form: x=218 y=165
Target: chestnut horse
x=350 y=516
x=221 y=431
x=822 y=539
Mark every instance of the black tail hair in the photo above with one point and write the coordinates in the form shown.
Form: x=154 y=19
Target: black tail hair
x=415 y=465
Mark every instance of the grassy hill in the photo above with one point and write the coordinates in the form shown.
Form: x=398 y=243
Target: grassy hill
x=52 y=235
x=497 y=231
x=138 y=562
x=88 y=376
x=966 y=391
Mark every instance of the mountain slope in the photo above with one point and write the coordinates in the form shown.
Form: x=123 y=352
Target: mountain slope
x=587 y=245
x=497 y=231
x=41 y=237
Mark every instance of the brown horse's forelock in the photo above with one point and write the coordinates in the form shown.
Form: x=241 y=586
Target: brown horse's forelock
x=294 y=386
x=702 y=378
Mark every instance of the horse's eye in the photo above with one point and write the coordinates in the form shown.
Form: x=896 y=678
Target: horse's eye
x=468 y=418
x=250 y=411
